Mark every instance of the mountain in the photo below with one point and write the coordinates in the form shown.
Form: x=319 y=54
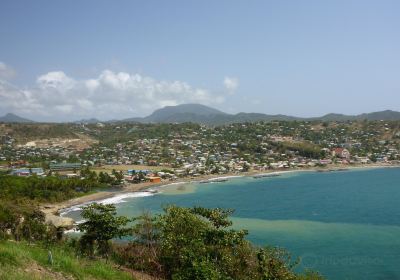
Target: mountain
x=197 y=113
x=195 y=109
x=87 y=121
x=12 y=118
x=387 y=115
x=334 y=117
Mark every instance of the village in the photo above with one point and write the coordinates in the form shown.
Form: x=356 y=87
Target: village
x=155 y=152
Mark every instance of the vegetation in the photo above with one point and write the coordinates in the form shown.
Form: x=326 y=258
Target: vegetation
x=28 y=261
x=100 y=226
x=44 y=189
x=22 y=221
x=199 y=243
x=174 y=145
x=181 y=243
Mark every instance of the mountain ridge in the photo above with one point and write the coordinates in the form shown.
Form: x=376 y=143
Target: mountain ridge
x=211 y=116
x=13 y=118
x=202 y=114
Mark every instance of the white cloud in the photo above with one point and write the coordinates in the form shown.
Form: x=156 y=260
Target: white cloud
x=15 y=100
x=55 y=80
x=110 y=95
x=231 y=84
x=6 y=72
x=92 y=84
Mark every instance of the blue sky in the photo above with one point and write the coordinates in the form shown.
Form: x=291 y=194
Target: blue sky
x=63 y=60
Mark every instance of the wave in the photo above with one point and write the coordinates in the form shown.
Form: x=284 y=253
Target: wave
x=63 y=212
x=120 y=198
x=227 y=177
x=74 y=230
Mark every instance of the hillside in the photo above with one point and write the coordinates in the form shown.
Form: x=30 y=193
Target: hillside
x=387 y=115
x=202 y=114
x=12 y=118
x=20 y=260
x=24 y=132
x=196 y=113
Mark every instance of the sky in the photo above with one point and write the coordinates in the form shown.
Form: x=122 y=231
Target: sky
x=70 y=60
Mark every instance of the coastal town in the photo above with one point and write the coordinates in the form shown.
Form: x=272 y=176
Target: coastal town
x=153 y=152
x=199 y=140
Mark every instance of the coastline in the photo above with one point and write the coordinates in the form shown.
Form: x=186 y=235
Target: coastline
x=52 y=211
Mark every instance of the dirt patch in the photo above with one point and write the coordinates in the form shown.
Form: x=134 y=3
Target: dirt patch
x=81 y=143
x=37 y=271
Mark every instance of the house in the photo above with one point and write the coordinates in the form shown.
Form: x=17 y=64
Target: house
x=65 y=166
x=325 y=161
x=19 y=163
x=155 y=179
x=363 y=160
x=27 y=171
x=341 y=153
x=137 y=171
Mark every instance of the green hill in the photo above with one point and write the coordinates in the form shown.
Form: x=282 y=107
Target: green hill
x=12 y=118
x=197 y=113
x=23 y=261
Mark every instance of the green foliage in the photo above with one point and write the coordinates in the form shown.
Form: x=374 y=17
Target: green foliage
x=20 y=260
x=275 y=264
x=9 y=218
x=143 y=252
x=198 y=243
x=100 y=227
x=33 y=131
x=105 y=178
x=87 y=174
x=48 y=189
x=33 y=227
x=118 y=176
x=24 y=221
x=303 y=149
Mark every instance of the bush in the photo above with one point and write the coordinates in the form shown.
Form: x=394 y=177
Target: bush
x=100 y=227
x=198 y=243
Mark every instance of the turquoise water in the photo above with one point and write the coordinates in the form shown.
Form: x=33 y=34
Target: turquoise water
x=344 y=224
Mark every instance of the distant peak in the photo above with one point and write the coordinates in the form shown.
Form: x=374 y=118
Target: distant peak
x=11 y=117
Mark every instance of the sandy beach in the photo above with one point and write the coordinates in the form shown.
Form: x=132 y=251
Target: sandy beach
x=52 y=211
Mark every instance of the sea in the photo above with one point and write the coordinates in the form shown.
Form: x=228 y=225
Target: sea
x=344 y=224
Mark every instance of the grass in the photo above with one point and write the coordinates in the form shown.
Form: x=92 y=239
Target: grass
x=20 y=260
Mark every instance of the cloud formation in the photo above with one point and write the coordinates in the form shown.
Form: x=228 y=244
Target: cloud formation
x=6 y=72
x=56 y=96
x=231 y=84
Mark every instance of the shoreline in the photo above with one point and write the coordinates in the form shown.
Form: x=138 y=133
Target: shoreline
x=52 y=211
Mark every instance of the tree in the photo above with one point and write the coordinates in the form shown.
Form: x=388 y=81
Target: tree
x=33 y=226
x=143 y=252
x=275 y=263
x=100 y=227
x=197 y=244
x=118 y=176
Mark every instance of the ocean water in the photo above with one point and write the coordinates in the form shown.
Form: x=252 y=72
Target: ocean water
x=344 y=224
